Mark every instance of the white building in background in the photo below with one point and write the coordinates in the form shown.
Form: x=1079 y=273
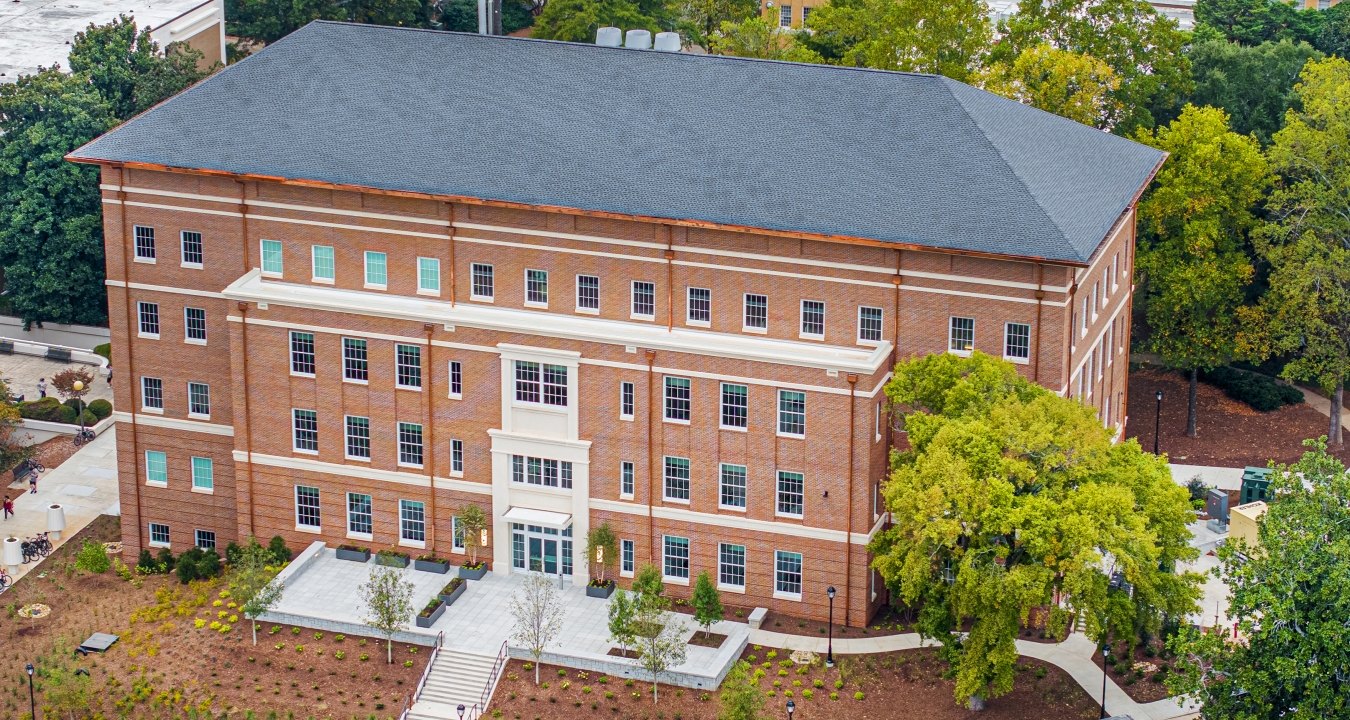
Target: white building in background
x=38 y=33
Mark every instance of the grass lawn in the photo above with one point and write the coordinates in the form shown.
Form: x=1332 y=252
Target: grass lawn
x=172 y=663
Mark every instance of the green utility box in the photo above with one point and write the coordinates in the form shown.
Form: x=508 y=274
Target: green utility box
x=1255 y=481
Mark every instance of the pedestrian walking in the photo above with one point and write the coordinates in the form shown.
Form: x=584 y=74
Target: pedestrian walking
x=42 y=388
x=110 y=374
x=32 y=483
x=9 y=507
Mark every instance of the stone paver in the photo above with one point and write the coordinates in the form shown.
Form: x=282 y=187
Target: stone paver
x=22 y=373
x=85 y=485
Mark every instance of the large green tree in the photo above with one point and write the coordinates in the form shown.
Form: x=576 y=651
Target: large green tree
x=267 y=21
x=946 y=37
x=1193 y=254
x=577 y=20
x=462 y=15
x=1252 y=22
x=1291 y=599
x=1011 y=497
x=127 y=68
x=1333 y=38
x=699 y=20
x=1254 y=84
x=1066 y=83
x=756 y=38
x=1141 y=46
x=1308 y=241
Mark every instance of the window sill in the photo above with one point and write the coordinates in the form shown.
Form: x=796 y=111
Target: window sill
x=625 y=496
x=626 y=573
x=808 y=336
x=737 y=589
x=543 y=488
x=536 y=305
x=733 y=428
x=357 y=459
x=322 y=280
x=456 y=473
x=960 y=353
x=482 y=298
x=351 y=381
x=156 y=544
x=794 y=597
x=193 y=341
x=146 y=261
x=1017 y=360
x=428 y=293
x=204 y=491
x=368 y=537
x=526 y=405
x=670 y=421
x=310 y=529
x=414 y=388
x=626 y=418
x=870 y=343
x=374 y=286
x=198 y=416
x=791 y=436
x=153 y=484
x=675 y=580
x=457 y=551
x=676 y=501
x=409 y=466
x=190 y=266
x=755 y=330
x=644 y=318
x=698 y=323
x=147 y=336
x=419 y=544
x=731 y=508
x=455 y=396
x=152 y=411
x=787 y=516
x=300 y=451
x=588 y=311
x=302 y=375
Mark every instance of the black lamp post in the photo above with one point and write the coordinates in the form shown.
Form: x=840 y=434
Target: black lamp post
x=460 y=710
x=32 y=701
x=829 y=654
x=1106 y=652
x=1157 y=423
x=791 y=708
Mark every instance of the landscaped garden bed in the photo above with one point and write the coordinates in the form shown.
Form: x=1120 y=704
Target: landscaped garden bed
x=1142 y=675
x=164 y=665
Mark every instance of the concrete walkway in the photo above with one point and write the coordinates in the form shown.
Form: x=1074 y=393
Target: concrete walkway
x=85 y=485
x=1321 y=403
x=1224 y=478
x=1073 y=656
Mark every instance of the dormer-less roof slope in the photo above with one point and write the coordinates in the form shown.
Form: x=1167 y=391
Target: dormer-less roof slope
x=806 y=149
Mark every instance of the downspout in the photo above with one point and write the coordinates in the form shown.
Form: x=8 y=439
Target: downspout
x=431 y=446
x=248 y=419
x=897 y=281
x=651 y=463
x=670 y=278
x=243 y=213
x=848 y=539
x=1040 y=296
x=1067 y=370
x=131 y=361
x=450 y=233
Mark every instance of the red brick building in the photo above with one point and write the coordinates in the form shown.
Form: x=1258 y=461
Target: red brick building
x=367 y=277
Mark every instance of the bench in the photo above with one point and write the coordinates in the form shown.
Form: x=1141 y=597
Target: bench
x=7 y=347
x=58 y=354
x=757 y=617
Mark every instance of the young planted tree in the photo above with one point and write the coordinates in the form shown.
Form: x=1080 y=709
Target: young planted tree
x=741 y=697
x=388 y=601
x=65 y=691
x=660 y=641
x=1291 y=598
x=602 y=549
x=74 y=383
x=649 y=588
x=93 y=558
x=707 y=602
x=538 y=615
x=1013 y=497
x=622 y=615
x=1193 y=256
x=253 y=584
x=472 y=522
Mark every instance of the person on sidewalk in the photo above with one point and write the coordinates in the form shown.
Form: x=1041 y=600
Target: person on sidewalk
x=9 y=507
x=32 y=483
x=42 y=388
x=110 y=374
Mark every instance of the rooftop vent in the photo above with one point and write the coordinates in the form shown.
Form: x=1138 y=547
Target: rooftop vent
x=609 y=37
x=638 y=40
x=668 y=42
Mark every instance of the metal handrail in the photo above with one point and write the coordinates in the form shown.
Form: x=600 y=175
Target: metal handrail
x=498 y=665
x=416 y=694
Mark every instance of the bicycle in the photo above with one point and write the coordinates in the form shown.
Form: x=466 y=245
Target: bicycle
x=5 y=580
x=83 y=436
x=36 y=548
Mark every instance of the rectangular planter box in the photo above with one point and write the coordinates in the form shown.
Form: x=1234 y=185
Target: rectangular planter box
x=441 y=567
x=454 y=594
x=428 y=621
x=477 y=574
x=600 y=592
x=391 y=561
x=362 y=555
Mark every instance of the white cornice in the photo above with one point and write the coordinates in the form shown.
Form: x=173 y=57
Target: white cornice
x=160 y=421
x=361 y=471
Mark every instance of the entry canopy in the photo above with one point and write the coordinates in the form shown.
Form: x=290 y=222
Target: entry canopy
x=530 y=516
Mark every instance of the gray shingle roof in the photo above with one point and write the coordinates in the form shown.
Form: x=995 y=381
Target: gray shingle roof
x=895 y=157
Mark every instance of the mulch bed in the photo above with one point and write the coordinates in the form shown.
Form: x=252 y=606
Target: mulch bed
x=1145 y=684
x=906 y=685
x=1035 y=629
x=711 y=640
x=163 y=659
x=887 y=621
x=1229 y=433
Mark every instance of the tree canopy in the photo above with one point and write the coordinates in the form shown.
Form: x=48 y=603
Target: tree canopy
x=1291 y=599
x=1255 y=85
x=756 y=38
x=699 y=20
x=1252 y=22
x=1012 y=496
x=577 y=20
x=947 y=37
x=1066 y=83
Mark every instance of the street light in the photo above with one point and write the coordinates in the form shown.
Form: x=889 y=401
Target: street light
x=1106 y=653
x=1157 y=423
x=32 y=701
x=791 y=708
x=460 y=710
x=829 y=653
x=78 y=387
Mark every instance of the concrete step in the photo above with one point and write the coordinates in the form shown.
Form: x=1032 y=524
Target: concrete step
x=424 y=710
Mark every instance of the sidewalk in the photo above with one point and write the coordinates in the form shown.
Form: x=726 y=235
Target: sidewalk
x=1321 y=403
x=1073 y=656
x=85 y=485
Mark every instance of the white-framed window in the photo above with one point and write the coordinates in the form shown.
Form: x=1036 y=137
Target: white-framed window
x=429 y=276
x=307 y=513
x=271 y=257
x=813 y=320
x=792 y=413
x=806 y=14
x=456 y=380
x=644 y=300
x=731 y=487
x=156 y=468
x=148 y=313
x=360 y=515
x=544 y=472
x=627 y=551
x=869 y=324
x=626 y=478
x=203 y=474
x=206 y=539
x=735 y=412
x=756 y=316
x=356 y=430
x=190 y=248
x=698 y=309
x=482 y=287
x=961 y=335
x=674 y=557
x=145 y=243
x=588 y=294
x=194 y=325
x=1110 y=343
x=1097 y=358
x=410 y=444
x=159 y=535
x=541 y=383
x=456 y=535
x=877 y=422
x=1094 y=300
x=1106 y=287
x=536 y=288
x=626 y=400
x=305 y=431
x=377 y=270
x=456 y=457
x=412 y=521
x=355 y=366
x=785 y=16
x=677 y=399
x=199 y=399
x=1017 y=342
x=787 y=573
x=731 y=566
x=302 y=353
x=1115 y=271
x=152 y=394
x=791 y=494
x=323 y=267
x=408 y=367
x=1084 y=314
x=675 y=486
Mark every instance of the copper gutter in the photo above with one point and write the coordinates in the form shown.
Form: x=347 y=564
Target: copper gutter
x=431 y=445
x=848 y=538
x=651 y=463
x=1040 y=297
x=131 y=362
x=248 y=419
x=243 y=213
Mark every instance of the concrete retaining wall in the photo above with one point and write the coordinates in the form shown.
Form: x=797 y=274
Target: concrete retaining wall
x=84 y=337
x=620 y=667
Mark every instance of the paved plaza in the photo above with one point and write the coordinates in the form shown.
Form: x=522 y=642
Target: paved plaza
x=23 y=371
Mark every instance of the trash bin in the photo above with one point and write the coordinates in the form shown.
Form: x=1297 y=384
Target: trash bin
x=56 y=520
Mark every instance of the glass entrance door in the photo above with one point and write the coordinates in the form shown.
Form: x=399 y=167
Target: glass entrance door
x=540 y=549
x=544 y=555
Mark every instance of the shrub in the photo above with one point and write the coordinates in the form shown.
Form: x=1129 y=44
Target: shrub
x=92 y=558
x=145 y=562
x=858 y=695
x=66 y=414
x=198 y=564
x=47 y=409
x=104 y=350
x=277 y=546
x=165 y=558
x=73 y=404
x=100 y=408
x=1259 y=391
x=89 y=419
x=834 y=695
